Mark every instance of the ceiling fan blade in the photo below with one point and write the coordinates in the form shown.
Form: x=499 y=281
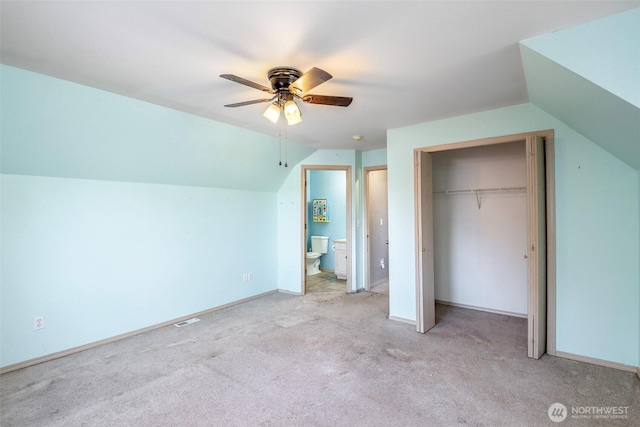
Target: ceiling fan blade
x=309 y=80
x=255 y=101
x=340 y=101
x=246 y=82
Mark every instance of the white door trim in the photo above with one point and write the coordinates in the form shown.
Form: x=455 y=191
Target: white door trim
x=303 y=213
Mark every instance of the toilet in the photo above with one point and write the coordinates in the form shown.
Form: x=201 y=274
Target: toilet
x=319 y=245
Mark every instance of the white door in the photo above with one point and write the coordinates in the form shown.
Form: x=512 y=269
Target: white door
x=536 y=247
x=377 y=229
x=426 y=304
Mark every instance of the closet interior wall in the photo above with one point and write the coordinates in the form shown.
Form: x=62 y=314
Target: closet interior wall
x=480 y=227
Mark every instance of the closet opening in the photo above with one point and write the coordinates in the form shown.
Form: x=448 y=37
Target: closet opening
x=486 y=232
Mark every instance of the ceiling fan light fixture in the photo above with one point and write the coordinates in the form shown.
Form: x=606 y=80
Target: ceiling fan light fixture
x=272 y=113
x=292 y=112
x=288 y=83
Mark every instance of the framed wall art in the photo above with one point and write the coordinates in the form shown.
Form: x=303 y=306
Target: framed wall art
x=320 y=213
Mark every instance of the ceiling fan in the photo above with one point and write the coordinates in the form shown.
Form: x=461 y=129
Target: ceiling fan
x=288 y=84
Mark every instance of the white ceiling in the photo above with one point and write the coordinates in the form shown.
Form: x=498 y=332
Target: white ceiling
x=402 y=62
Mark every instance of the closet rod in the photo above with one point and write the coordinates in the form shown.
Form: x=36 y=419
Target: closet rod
x=481 y=190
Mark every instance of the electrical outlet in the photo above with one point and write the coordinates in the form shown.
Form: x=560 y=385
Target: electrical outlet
x=244 y=277
x=38 y=322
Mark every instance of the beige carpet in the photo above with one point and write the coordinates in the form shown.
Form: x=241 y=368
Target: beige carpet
x=323 y=359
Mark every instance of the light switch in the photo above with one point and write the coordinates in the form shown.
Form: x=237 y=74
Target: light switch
x=381 y=221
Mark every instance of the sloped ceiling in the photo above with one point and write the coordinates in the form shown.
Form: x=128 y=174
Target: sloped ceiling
x=51 y=127
x=599 y=115
x=404 y=62
x=589 y=78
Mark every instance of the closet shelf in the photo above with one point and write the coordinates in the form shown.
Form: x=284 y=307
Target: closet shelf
x=478 y=191
x=481 y=190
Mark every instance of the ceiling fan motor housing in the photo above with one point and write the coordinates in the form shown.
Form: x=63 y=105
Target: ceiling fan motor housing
x=282 y=77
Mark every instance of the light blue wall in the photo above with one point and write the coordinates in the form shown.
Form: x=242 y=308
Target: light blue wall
x=290 y=211
x=598 y=282
x=588 y=77
x=100 y=258
x=374 y=157
x=598 y=274
x=329 y=185
x=125 y=213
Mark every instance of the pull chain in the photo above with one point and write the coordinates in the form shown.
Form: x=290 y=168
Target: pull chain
x=286 y=151
x=280 y=141
x=286 y=137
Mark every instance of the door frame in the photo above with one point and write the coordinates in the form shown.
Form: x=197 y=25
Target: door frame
x=303 y=211
x=422 y=312
x=366 y=222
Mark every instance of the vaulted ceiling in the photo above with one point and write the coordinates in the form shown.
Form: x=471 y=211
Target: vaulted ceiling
x=402 y=62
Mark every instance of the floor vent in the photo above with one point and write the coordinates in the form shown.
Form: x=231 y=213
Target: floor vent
x=186 y=322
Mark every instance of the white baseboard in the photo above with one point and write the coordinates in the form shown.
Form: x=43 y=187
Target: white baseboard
x=402 y=320
x=284 y=291
x=599 y=362
x=488 y=310
x=63 y=353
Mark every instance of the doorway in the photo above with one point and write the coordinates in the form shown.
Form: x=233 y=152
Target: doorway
x=326 y=215
x=375 y=226
x=539 y=253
